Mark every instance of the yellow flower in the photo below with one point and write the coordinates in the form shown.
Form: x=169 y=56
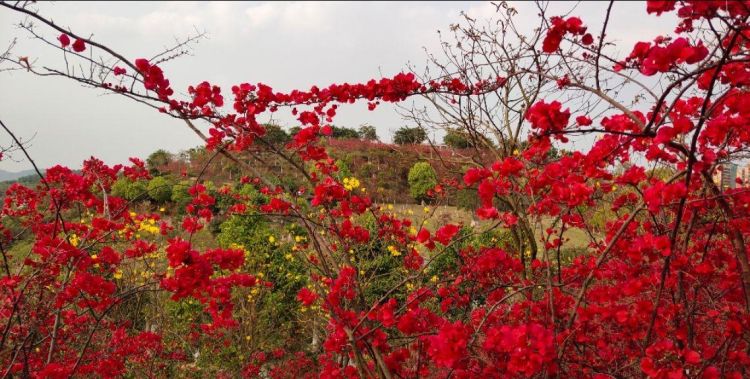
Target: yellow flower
x=117 y=274
x=394 y=252
x=434 y=279
x=351 y=183
x=271 y=239
x=161 y=209
x=426 y=209
x=94 y=257
x=515 y=152
x=390 y=206
x=74 y=240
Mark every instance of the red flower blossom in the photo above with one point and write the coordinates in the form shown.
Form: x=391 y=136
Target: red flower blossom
x=79 y=45
x=64 y=40
x=306 y=297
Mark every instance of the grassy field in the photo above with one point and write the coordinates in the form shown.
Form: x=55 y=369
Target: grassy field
x=433 y=217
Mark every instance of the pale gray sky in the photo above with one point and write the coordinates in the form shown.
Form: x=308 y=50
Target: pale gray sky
x=285 y=45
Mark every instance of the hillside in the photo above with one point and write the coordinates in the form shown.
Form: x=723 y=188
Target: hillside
x=8 y=175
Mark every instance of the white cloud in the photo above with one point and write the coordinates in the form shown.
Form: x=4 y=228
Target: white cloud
x=290 y=17
x=261 y=15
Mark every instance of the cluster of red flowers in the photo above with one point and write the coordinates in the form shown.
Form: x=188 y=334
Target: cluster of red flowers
x=560 y=27
x=78 y=46
x=153 y=78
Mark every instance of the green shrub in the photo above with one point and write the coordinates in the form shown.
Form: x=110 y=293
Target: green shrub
x=344 y=171
x=130 y=190
x=160 y=189
x=180 y=195
x=422 y=178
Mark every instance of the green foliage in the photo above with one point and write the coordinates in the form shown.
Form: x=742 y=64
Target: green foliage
x=447 y=262
x=340 y=132
x=180 y=195
x=467 y=198
x=456 y=139
x=409 y=136
x=130 y=190
x=267 y=253
x=160 y=189
x=498 y=237
x=422 y=177
x=382 y=271
x=344 y=171
x=275 y=135
x=253 y=195
x=368 y=133
x=157 y=159
x=120 y=187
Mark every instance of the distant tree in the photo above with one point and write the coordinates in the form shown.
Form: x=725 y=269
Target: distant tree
x=276 y=135
x=157 y=159
x=422 y=178
x=456 y=139
x=409 y=136
x=160 y=189
x=340 y=132
x=193 y=154
x=368 y=133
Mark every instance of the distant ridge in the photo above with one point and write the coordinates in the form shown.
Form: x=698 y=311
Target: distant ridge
x=7 y=175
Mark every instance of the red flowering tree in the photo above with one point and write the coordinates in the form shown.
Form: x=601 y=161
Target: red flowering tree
x=663 y=291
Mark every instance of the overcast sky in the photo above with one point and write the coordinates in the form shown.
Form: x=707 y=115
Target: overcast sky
x=285 y=45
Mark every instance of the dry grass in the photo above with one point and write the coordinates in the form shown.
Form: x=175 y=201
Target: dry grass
x=432 y=217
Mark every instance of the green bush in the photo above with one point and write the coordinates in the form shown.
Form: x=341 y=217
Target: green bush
x=422 y=178
x=269 y=253
x=160 y=189
x=344 y=171
x=180 y=195
x=129 y=190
